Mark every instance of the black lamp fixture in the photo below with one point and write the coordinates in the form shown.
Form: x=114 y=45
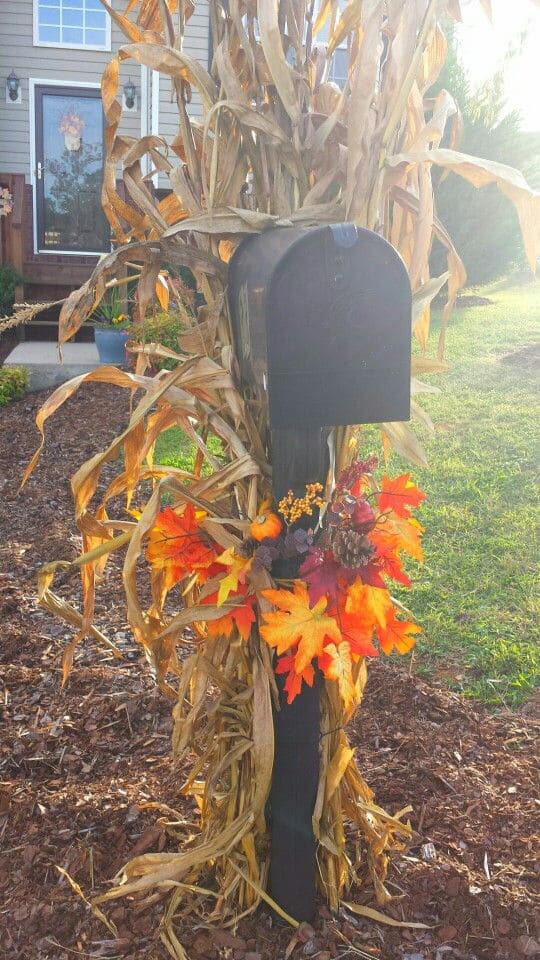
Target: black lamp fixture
x=13 y=85
x=130 y=92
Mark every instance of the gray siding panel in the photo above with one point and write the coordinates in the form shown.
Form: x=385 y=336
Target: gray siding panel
x=196 y=43
x=82 y=66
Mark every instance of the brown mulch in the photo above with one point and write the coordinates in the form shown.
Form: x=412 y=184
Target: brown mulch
x=472 y=300
x=466 y=300
x=527 y=357
x=77 y=766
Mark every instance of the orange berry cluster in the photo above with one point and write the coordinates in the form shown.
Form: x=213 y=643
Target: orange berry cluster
x=292 y=508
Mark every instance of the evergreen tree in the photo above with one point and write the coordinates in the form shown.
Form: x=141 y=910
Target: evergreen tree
x=483 y=223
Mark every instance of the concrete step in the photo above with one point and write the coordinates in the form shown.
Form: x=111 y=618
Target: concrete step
x=43 y=364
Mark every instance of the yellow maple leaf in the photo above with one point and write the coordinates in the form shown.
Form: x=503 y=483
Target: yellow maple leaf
x=295 y=623
x=337 y=665
x=238 y=569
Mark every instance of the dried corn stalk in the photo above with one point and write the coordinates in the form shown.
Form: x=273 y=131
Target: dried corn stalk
x=276 y=144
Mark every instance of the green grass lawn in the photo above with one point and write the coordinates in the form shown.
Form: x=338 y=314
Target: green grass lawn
x=174 y=449
x=475 y=594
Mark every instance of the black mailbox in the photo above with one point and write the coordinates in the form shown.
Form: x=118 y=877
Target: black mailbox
x=322 y=323
x=322 y=326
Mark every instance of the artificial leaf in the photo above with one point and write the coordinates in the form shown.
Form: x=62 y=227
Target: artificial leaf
x=241 y=617
x=296 y=624
x=371 y=574
x=238 y=570
x=397 y=634
x=336 y=664
x=358 y=636
x=320 y=571
x=176 y=544
x=409 y=533
x=388 y=545
x=370 y=605
x=293 y=683
x=399 y=494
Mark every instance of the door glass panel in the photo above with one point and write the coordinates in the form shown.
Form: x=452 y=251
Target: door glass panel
x=72 y=218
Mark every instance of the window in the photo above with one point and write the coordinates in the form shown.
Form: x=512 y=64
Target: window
x=339 y=63
x=71 y=23
x=339 y=66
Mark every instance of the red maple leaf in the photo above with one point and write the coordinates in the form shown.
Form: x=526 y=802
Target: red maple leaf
x=371 y=574
x=293 y=683
x=320 y=571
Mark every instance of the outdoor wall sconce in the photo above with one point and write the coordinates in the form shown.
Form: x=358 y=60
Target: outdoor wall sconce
x=13 y=88
x=130 y=93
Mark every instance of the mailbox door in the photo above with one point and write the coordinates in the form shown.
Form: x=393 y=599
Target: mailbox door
x=338 y=318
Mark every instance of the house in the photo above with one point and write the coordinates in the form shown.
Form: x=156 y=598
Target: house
x=52 y=55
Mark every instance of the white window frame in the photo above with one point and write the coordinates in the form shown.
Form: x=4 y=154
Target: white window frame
x=32 y=84
x=342 y=46
x=71 y=46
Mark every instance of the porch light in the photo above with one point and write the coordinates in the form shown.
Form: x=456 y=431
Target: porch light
x=130 y=92
x=13 y=86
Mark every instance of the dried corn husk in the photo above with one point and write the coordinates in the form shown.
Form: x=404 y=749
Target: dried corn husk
x=276 y=144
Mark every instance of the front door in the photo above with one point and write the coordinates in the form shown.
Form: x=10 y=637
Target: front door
x=69 y=171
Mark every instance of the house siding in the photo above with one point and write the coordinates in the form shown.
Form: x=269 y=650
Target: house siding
x=49 y=274
x=196 y=43
x=62 y=64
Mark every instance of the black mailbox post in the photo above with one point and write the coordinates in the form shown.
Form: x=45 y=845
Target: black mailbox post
x=322 y=325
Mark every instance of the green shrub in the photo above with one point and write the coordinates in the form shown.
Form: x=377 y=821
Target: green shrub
x=165 y=328
x=9 y=281
x=13 y=383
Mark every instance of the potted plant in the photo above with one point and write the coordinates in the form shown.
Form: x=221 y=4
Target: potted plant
x=111 y=328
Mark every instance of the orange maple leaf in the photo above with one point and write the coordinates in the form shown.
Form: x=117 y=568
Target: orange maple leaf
x=410 y=534
x=358 y=636
x=397 y=634
x=240 y=617
x=398 y=534
x=295 y=623
x=293 y=683
x=336 y=664
x=370 y=605
x=388 y=545
x=176 y=544
x=399 y=494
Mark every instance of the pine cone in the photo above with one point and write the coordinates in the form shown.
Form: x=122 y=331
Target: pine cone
x=351 y=549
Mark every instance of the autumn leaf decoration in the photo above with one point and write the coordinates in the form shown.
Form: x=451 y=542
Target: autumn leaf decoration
x=340 y=611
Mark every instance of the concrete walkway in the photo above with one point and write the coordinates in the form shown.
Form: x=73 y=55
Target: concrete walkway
x=45 y=370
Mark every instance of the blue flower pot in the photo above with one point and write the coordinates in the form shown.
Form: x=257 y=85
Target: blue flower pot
x=111 y=345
